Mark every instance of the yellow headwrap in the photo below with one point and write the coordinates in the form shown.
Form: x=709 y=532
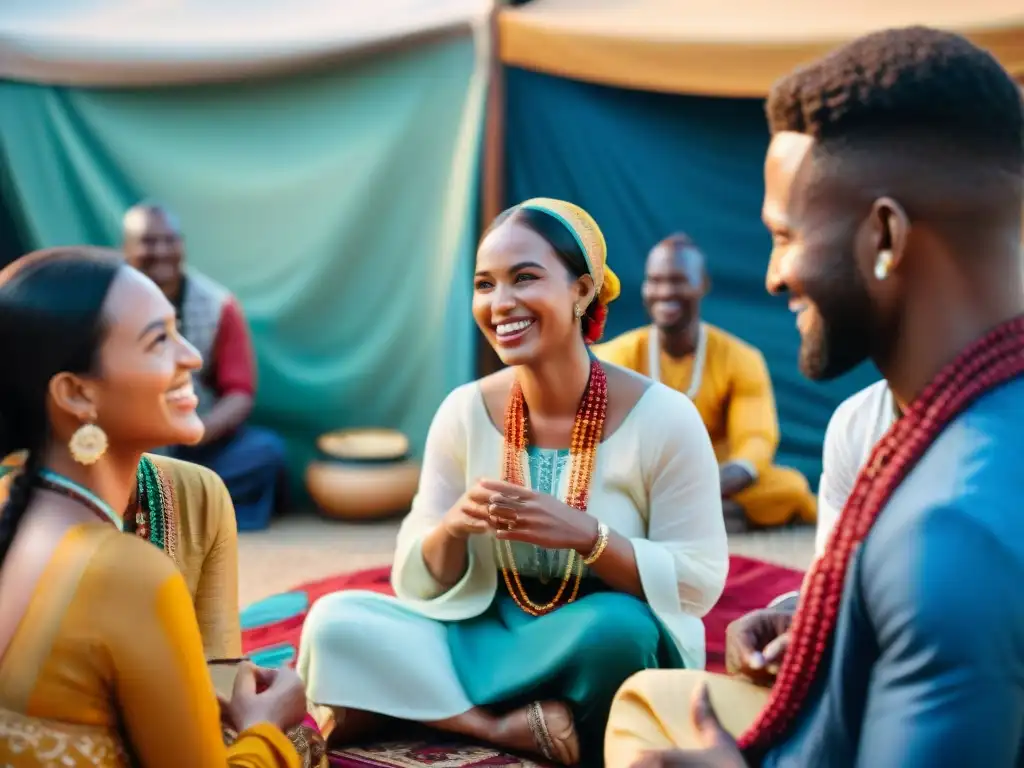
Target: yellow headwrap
x=583 y=227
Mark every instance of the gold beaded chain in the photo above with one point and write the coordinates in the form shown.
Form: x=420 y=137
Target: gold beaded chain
x=586 y=436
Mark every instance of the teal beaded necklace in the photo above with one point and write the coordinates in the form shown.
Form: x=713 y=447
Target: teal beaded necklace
x=151 y=518
x=68 y=487
x=155 y=505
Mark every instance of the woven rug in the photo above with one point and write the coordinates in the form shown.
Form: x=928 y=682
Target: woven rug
x=271 y=629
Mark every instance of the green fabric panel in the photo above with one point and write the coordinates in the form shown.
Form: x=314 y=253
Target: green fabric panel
x=12 y=243
x=337 y=205
x=646 y=165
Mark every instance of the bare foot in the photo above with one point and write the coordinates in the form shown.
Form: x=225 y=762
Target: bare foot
x=342 y=726
x=545 y=729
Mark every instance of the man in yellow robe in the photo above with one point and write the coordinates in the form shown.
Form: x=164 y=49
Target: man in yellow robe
x=726 y=379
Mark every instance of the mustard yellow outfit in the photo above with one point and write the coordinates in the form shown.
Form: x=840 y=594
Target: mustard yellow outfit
x=108 y=663
x=205 y=549
x=207 y=553
x=728 y=381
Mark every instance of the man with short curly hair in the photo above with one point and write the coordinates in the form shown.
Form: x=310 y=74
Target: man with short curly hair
x=894 y=184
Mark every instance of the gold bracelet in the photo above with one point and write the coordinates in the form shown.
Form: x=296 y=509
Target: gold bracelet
x=599 y=547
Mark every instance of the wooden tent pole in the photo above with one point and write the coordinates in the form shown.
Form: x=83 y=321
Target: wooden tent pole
x=492 y=165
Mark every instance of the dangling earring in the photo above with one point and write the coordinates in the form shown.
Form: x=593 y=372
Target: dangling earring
x=88 y=444
x=577 y=311
x=883 y=264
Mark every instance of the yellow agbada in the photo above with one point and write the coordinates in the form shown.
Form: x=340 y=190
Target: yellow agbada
x=107 y=668
x=728 y=381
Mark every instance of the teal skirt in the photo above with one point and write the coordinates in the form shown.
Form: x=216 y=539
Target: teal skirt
x=580 y=653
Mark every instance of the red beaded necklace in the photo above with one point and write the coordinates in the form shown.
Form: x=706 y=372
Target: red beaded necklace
x=991 y=361
x=586 y=436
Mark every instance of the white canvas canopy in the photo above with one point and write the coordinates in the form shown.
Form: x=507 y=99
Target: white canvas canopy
x=164 y=42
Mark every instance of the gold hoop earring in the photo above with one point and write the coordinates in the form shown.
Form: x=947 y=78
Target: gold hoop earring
x=577 y=311
x=883 y=264
x=88 y=444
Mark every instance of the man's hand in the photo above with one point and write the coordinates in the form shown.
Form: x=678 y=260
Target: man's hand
x=718 y=747
x=733 y=478
x=756 y=643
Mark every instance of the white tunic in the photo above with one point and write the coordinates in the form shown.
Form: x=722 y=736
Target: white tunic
x=857 y=425
x=655 y=482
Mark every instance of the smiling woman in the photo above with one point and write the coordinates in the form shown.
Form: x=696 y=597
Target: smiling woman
x=567 y=532
x=538 y=230
x=102 y=376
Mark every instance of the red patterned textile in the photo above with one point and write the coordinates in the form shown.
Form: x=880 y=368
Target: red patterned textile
x=751 y=584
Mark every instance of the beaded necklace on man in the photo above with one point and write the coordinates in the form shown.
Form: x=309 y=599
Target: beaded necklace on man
x=989 y=362
x=587 y=430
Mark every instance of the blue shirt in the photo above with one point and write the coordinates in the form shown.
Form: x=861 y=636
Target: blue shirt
x=927 y=663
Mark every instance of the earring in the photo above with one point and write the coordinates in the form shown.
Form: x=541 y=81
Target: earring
x=577 y=311
x=88 y=444
x=883 y=264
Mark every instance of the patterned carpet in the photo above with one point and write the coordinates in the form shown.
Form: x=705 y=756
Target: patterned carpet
x=417 y=754
x=271 y=629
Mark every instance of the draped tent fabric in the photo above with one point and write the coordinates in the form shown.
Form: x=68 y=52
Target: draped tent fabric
x=163 y=42
x=736 y=48
x=649 y=114
x=649 y=164
x=338 y=204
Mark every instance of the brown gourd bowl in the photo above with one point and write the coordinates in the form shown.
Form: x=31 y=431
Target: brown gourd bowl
x=362 y=474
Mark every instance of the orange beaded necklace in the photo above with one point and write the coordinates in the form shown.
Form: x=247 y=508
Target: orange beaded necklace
x=586 y=436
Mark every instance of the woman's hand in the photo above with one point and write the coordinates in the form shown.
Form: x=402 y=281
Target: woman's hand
x=469 y=515
x=274 y=696
x=519 y=514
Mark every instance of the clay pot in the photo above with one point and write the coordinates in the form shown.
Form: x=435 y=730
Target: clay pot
x=363 y=474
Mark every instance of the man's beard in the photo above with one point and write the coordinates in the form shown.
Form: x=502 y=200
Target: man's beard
x=843 y=336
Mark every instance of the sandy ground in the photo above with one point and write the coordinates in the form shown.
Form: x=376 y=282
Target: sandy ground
x=304 y=547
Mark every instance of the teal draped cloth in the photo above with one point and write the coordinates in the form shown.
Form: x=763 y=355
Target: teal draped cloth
x=337 y=204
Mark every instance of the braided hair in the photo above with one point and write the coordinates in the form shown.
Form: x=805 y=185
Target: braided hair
x=51 y=321
x=901 y=82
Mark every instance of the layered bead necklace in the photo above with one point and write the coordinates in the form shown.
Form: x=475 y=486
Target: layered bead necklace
x=587 y=430
x=68 y=488
x=155 y=507
x=153 y=518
